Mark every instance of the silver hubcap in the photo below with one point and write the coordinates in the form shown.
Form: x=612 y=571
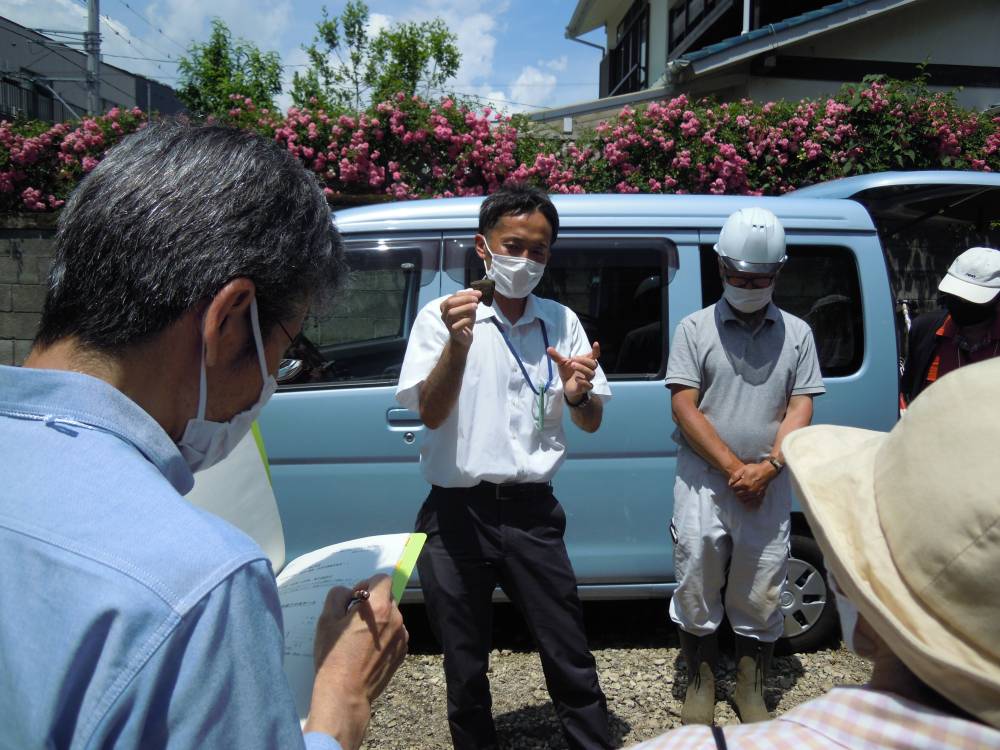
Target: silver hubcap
x=803 y=597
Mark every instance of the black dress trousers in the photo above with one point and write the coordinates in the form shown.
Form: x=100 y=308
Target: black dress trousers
x=512 y=536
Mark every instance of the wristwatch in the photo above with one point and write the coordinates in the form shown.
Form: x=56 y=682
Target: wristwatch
x=778 y=466
x=579 y=404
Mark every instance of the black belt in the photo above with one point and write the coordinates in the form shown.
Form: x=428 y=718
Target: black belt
x=508 y=491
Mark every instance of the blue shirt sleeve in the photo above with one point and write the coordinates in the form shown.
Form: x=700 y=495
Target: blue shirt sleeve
x=215 y=679
x=320 y=741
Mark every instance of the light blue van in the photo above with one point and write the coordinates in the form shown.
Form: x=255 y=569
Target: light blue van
x=344 y=454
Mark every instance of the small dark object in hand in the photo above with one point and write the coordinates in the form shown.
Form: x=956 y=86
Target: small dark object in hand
x=486 y=286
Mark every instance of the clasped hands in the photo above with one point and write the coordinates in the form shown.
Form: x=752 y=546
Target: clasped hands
x=750 y=481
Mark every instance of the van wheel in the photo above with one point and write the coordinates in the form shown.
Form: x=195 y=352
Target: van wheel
x=806 y=601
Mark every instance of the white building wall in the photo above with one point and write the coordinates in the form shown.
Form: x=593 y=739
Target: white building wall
x=658 y=14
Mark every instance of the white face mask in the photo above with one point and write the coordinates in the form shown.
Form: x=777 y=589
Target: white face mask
x=847 y=613
x=515 y=278
x=747 y=300
x=205 y=443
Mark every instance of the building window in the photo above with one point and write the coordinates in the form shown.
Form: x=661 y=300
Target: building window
x=685 y=17
x=14 y=99
x=629 y=60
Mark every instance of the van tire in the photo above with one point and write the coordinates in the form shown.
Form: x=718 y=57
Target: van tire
x=806 y=600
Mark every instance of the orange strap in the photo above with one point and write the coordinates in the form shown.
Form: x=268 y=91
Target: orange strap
x=932 y=372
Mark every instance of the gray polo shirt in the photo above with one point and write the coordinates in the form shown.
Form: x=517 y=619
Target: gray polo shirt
x=745 y=377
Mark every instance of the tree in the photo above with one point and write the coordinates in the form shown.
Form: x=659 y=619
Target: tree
x=213 y=71
x=411 y=56
x=349 y=69
x=339 y=85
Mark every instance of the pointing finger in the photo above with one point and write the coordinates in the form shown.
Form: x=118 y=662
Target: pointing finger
x=556 y=357
x=595 y=350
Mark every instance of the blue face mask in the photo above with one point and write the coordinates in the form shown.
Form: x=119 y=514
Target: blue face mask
x=204 y=442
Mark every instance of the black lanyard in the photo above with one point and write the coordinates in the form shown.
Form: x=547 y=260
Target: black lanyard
x=513 y=351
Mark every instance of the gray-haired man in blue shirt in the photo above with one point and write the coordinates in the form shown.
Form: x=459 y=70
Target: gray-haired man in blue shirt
x=184 y=263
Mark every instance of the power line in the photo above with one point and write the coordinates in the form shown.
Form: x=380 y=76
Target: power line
x=82 y=65
x=491 y=99
x=133 y=57
x=129 y=42
x=110 y=23
x=155 y=28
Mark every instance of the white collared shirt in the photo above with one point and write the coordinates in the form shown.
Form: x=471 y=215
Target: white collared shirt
x=491 y=434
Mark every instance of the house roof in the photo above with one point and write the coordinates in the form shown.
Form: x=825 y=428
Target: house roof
x=589 y=15
x=726 y=53
x=791 y=30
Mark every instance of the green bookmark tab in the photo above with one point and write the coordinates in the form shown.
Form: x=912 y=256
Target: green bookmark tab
x=407 y=562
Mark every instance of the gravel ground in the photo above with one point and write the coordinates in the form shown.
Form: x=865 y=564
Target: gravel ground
x=637 y=656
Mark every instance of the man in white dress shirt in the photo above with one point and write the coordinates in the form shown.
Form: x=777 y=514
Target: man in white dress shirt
x=491 y=384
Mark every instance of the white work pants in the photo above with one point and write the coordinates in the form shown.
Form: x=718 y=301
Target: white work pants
x=715 y=535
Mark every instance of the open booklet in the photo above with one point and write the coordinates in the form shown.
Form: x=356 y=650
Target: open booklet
x=303 y=584
x=238 y=489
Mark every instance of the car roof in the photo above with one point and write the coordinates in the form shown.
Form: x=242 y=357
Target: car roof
x=848 y=187
x=610 y=211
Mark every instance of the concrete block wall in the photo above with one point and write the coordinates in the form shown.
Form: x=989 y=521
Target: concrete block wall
x=26 y=247
x=26 y=250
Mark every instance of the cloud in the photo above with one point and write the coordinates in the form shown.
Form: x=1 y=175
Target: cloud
x=559 y=64
x=259 y=21
x=377 y=22
x=532 y=87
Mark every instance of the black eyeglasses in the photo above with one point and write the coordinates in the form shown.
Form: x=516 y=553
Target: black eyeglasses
x=750 y=282
x=292 y=340
x=300 y=347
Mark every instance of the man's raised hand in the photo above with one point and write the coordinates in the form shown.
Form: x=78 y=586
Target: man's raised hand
x=577 y=373
x=459 y=313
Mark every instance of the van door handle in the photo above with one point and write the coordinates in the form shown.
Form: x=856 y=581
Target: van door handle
x=403 y=419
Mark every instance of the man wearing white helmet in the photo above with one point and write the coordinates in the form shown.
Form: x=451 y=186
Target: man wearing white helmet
x=742 y=375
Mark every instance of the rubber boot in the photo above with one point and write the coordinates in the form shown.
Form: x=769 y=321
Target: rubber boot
x=753 y=658
x=700 y=655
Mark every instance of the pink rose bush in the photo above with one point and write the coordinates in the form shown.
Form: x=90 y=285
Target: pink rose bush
x=743 y=148
x=407 y=147
x=41 y=164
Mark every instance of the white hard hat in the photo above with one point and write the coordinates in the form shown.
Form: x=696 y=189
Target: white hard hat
x=752 y=240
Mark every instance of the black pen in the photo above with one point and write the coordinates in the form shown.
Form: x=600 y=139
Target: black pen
x=361 y=595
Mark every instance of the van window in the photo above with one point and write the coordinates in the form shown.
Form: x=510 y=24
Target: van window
x=820 y=285
x=618 y=289
x=359 y=337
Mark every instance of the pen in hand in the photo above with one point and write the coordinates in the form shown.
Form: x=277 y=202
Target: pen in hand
x=361 y=595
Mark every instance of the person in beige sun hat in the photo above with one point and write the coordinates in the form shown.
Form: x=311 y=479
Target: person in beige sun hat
x=909 y=525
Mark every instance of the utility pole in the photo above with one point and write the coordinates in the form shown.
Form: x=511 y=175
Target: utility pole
x=92 y=46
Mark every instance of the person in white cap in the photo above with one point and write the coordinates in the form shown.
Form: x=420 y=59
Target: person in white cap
x=909 y=526
x=967 y=330
x=742 y=375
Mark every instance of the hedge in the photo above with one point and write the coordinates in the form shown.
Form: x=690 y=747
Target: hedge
x=408 y=147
